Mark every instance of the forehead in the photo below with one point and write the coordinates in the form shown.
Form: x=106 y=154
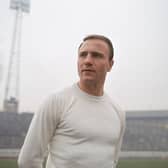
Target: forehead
x=95 y=45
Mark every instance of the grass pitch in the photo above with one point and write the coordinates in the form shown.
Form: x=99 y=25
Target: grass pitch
x=143 y=163
x=8 y=163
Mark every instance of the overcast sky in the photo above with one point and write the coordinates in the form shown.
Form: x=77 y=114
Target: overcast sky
x=53 y=30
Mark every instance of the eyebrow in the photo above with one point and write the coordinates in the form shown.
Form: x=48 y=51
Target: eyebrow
x=92 y=52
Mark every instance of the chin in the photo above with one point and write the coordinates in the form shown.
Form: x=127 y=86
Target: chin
x=88 y=80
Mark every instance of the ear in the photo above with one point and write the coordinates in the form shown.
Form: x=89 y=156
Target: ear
x=111 y=62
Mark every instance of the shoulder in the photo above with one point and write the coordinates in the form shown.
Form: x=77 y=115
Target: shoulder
x=60 y=96
x=60 y=99
x=55 y=104
x=117 y=108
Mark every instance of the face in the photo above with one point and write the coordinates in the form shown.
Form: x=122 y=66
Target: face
x=93 y=61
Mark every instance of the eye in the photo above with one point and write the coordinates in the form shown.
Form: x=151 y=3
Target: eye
x=83 y=54
x=97 y=55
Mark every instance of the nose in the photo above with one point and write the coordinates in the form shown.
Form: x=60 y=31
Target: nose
x=88 y=59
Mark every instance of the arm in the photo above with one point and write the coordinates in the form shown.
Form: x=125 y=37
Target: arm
x=39 y=135
x=118 y=148
x=122 y=131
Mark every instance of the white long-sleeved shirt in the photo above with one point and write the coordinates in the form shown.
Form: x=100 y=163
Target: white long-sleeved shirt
x=77 y=129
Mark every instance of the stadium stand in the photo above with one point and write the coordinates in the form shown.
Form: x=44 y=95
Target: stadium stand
x=146 y=131
x=13 y=128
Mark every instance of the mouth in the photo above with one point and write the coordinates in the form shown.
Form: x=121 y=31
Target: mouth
x=88 y=70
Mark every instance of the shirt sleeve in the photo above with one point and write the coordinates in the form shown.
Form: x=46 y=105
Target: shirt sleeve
x=119 y=144
x=40 y=133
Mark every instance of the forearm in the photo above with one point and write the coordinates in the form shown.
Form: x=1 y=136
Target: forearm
x=28 y=163
x=31 y=153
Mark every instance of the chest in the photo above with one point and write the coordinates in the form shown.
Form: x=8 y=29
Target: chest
x=91 y=121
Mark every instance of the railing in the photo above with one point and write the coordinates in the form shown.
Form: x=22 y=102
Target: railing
x=13 y=153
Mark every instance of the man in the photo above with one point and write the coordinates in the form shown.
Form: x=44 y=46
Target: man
x=80 y=127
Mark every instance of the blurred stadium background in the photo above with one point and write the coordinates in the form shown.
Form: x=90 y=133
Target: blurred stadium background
x=146 y=136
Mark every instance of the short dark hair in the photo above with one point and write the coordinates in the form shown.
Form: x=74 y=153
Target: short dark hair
x=103 y=38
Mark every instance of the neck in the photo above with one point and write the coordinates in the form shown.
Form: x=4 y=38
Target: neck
x=91 y=88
